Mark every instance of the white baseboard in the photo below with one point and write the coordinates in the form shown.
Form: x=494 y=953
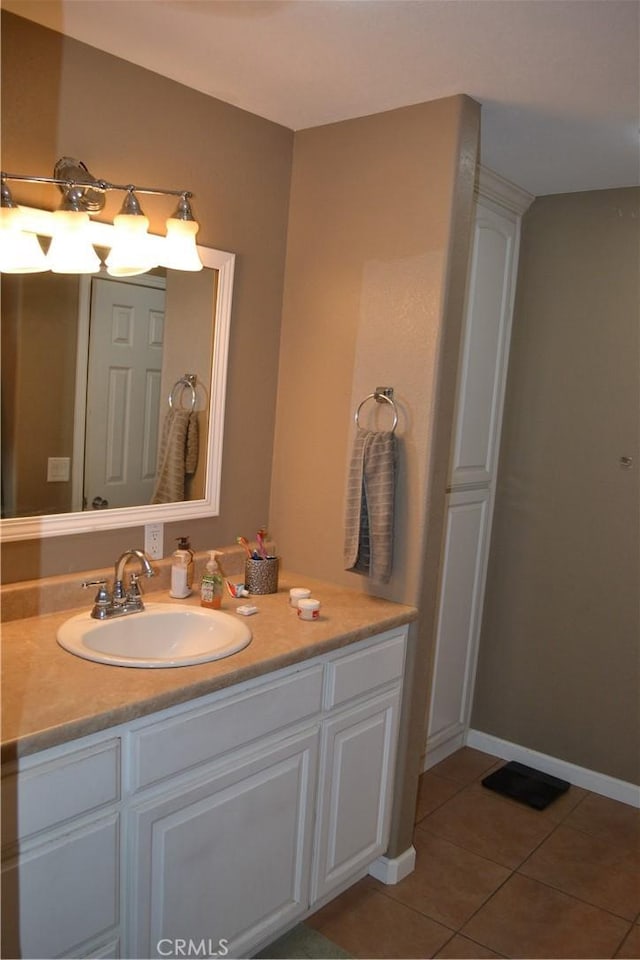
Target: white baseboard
x=580 y=776
x=395 y=870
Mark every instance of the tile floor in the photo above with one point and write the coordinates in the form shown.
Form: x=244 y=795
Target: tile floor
x=495 y=878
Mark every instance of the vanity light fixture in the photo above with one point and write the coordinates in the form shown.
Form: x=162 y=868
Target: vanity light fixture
x=132 y=249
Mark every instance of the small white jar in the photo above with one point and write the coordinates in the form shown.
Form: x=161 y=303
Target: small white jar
x=308 y=609
x=298 y=593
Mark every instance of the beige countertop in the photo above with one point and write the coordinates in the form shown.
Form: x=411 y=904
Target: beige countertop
x=51 y=696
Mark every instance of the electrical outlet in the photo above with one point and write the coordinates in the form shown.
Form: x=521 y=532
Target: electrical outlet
x=153 y=540
x=58 y=469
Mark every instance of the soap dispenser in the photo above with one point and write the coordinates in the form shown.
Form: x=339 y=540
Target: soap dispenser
x=212 y=583
x=183 y=544
x=179 y=574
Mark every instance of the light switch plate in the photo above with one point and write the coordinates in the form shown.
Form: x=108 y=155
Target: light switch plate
x=154 y=540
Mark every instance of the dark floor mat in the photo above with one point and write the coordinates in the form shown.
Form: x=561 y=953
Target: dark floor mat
x=526 y=785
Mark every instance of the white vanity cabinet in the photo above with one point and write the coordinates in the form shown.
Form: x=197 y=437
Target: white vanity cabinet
x=61 y=852
x=234 y=815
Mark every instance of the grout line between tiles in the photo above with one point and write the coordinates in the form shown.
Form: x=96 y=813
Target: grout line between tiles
x=484 y=945
x=477 y=943
x=474 y=853
x=558 y=889
x=587 y=903
x=622 y=941
x=482 y=905
x=438 y=805
x=420 y=913
x=458 y=929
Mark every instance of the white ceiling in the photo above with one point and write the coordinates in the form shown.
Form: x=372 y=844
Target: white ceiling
x=558 y=80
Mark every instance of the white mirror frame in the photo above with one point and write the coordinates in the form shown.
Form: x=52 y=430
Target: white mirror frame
x=56 y=525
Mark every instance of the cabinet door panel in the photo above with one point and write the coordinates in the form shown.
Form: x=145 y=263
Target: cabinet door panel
x=463 y=580
x=485 y=349
x=227 y=859
x=65 y=892
x=356 y=778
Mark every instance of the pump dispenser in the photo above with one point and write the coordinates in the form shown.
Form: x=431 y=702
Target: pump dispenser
x=212 y=583
x=179 y=573
x=184 y=545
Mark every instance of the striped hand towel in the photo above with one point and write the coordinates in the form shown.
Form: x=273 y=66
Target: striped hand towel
x=368 y=547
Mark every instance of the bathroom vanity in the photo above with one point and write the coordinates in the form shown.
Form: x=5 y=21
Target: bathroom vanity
x=219 y=803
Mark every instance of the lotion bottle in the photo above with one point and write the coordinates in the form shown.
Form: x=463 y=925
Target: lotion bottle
x=183 y=544
x=212 y=584
x=179 y=573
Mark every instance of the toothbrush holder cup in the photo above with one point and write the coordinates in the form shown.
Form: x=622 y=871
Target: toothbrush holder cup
x=261 y=576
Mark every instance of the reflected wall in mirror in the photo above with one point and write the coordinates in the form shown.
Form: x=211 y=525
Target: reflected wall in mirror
x=88 y=367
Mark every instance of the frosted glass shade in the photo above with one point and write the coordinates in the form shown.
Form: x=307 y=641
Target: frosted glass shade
x=20 y=251
x=71 y=250
x=131 y=252
x=180 y=245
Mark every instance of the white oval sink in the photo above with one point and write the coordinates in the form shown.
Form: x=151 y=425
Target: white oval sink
x=163 y=635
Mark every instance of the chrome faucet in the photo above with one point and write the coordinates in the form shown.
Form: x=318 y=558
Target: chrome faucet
x=118 y=586
x=121 y=601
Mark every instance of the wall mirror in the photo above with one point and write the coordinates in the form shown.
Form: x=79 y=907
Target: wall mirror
x=83 y=412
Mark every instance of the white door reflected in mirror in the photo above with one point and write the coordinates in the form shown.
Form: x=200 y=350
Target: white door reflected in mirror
x=123 y=402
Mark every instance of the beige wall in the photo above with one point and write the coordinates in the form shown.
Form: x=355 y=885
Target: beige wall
x=559 y=657
x=369 y=234
x=61 y=97
x=39 y=327
x=376 y=265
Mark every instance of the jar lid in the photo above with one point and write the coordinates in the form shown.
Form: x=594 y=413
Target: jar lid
x=308 y=604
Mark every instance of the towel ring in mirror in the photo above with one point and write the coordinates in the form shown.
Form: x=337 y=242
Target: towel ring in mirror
x=188 y=382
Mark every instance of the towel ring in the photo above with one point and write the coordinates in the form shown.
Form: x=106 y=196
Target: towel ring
x=381 y=395
x=188 y=381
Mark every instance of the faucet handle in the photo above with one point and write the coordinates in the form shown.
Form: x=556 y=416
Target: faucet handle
x=102 y=593
x=134 y=588
x=102 y=600
x=134 y=596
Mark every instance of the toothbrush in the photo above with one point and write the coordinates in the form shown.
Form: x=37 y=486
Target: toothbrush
x=260 y=535
x=245 y=543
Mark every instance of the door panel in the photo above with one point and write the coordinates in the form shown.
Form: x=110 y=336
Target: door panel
x=123 y=401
